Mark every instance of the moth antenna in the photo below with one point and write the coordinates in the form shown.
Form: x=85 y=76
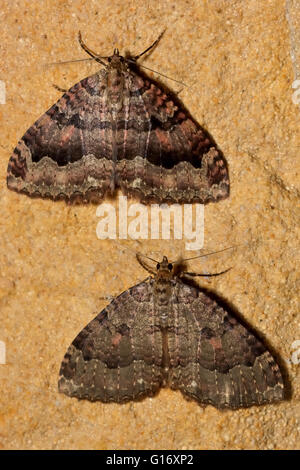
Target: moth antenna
x=159 y=73
x=201 y=256
x=145 y=265
x=134 y=252
x=69 y=61
x=150 y=47
x=95 y=56
x=137 y=254
x=148 y=257
x=204 y=275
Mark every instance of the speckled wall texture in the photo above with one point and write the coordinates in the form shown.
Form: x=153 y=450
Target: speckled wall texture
x=239 y=61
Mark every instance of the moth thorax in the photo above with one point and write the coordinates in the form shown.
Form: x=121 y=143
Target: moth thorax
x=115 y=90
x=115 y=79
x=162 y=292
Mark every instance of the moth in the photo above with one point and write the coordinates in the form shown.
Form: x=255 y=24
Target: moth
x=165 y=332
x=118 y=129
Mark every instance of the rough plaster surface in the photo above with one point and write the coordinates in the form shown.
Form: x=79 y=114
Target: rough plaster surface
x=293 y=18
x=54 y=272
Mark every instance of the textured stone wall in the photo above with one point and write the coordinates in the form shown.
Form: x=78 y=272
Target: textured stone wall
x=240 y=60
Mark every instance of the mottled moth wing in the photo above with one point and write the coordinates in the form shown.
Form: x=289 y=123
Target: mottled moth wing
x=171 y=334
x=66 y=154
x=117 y=356
x=118 y=129
x=214 y=358
x=168 y=157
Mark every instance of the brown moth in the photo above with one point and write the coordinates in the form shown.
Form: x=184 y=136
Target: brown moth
x=118 y=129
x=164 y=332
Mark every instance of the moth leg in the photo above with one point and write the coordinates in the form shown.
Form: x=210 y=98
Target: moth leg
x=180 y=90
x=150 y=47
x=63 y=90
x=89 y=51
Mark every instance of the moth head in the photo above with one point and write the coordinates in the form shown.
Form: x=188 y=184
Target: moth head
x=160 y=269
x=116 y=61
x=165 y=269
